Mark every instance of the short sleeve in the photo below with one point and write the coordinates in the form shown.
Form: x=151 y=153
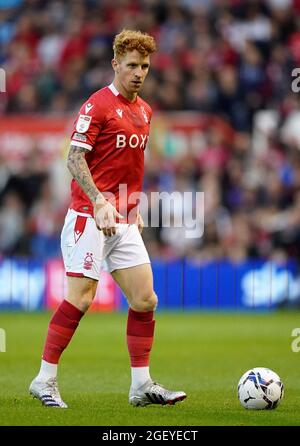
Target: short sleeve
x=87 y=125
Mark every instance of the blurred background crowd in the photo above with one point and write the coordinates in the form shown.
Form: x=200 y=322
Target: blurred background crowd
x=230 y=58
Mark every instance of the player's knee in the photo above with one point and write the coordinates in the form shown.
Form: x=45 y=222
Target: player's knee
x=154 y=301
x=85 y=302
x=83 y=296
x=147 y=302
x=82 y=302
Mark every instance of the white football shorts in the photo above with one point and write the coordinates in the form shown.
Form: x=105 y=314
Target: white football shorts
x=86 y=250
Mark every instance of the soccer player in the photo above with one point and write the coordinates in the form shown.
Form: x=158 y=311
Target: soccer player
x=103 y=222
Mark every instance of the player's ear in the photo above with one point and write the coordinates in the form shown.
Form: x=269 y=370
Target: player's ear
x=115 y=65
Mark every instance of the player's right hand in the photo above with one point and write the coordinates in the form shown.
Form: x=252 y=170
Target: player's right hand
x=105 y=215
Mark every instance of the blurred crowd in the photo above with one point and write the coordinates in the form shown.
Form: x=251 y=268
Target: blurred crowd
x=231 y=58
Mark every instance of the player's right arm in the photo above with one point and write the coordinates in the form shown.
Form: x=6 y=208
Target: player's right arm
x=104 y=213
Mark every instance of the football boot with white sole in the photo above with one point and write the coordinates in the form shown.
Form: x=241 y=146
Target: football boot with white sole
x=47 y=392
x=154 y=393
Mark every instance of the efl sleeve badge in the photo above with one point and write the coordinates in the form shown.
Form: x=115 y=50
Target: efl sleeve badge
x=83 y=123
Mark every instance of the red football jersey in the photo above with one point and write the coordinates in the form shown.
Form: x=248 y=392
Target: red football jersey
x=115 y=131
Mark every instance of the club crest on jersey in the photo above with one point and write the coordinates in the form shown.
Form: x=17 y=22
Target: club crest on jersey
x=83 y=123
x=144 y=114
x=120 y=112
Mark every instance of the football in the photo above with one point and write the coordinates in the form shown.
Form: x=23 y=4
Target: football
x=260 y=388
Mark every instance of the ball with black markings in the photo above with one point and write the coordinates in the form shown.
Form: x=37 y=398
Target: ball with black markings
x=260 y=388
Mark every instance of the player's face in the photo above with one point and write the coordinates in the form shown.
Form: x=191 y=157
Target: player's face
x=130 y=72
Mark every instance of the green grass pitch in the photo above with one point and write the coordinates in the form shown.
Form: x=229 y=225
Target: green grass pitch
x=202 y=353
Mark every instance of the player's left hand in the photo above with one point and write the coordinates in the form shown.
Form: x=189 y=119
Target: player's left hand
x=139 y=222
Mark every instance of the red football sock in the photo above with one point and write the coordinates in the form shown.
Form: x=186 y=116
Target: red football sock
x=140 y=331
x=60 y=331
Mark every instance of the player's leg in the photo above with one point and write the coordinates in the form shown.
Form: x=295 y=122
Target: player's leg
x=137 y=285
x=65 y=320
x=62 y=326
x=82 y=246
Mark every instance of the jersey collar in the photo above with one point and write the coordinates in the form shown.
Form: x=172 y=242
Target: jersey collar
x=113 y=89
x=117 y=93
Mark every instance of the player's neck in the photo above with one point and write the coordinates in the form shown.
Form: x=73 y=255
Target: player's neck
x=131 y=97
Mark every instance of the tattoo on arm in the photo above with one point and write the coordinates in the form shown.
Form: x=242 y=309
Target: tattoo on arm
x=78 y=167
